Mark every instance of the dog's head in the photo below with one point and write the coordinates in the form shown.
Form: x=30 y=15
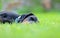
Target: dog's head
x=28 y=18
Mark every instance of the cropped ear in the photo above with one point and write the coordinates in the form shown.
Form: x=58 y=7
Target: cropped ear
x=30 y=14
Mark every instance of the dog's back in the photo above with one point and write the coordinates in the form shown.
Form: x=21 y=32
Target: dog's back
x=9 y=14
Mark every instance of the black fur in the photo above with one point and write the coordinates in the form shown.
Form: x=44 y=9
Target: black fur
x=4 y=20
x=7 y=17
x=9 y=14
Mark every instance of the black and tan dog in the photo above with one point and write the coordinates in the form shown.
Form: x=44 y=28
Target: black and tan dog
x=27 y=18
x=10 y=17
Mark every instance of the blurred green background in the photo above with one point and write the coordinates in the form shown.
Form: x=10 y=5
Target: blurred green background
x=48 y=26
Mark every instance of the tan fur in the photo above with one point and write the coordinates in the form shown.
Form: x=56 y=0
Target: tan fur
x=25 y=21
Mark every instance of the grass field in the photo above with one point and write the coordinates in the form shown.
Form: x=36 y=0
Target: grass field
x=48 y=27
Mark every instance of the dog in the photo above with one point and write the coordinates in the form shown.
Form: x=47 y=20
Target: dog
x=29 y=18
x=10 y=17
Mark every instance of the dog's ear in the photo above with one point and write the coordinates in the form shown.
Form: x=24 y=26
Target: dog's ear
x=27 y=15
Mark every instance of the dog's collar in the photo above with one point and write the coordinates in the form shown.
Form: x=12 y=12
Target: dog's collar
x=17 y=19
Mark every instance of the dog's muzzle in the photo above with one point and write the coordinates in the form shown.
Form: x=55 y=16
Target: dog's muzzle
x=29 y=19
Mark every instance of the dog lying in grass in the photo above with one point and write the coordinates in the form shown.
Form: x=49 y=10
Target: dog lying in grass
x=13 y=17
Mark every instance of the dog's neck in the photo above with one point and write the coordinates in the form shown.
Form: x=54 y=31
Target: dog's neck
x=17 y=19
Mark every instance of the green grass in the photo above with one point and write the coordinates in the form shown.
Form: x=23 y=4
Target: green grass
x=48 y=27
